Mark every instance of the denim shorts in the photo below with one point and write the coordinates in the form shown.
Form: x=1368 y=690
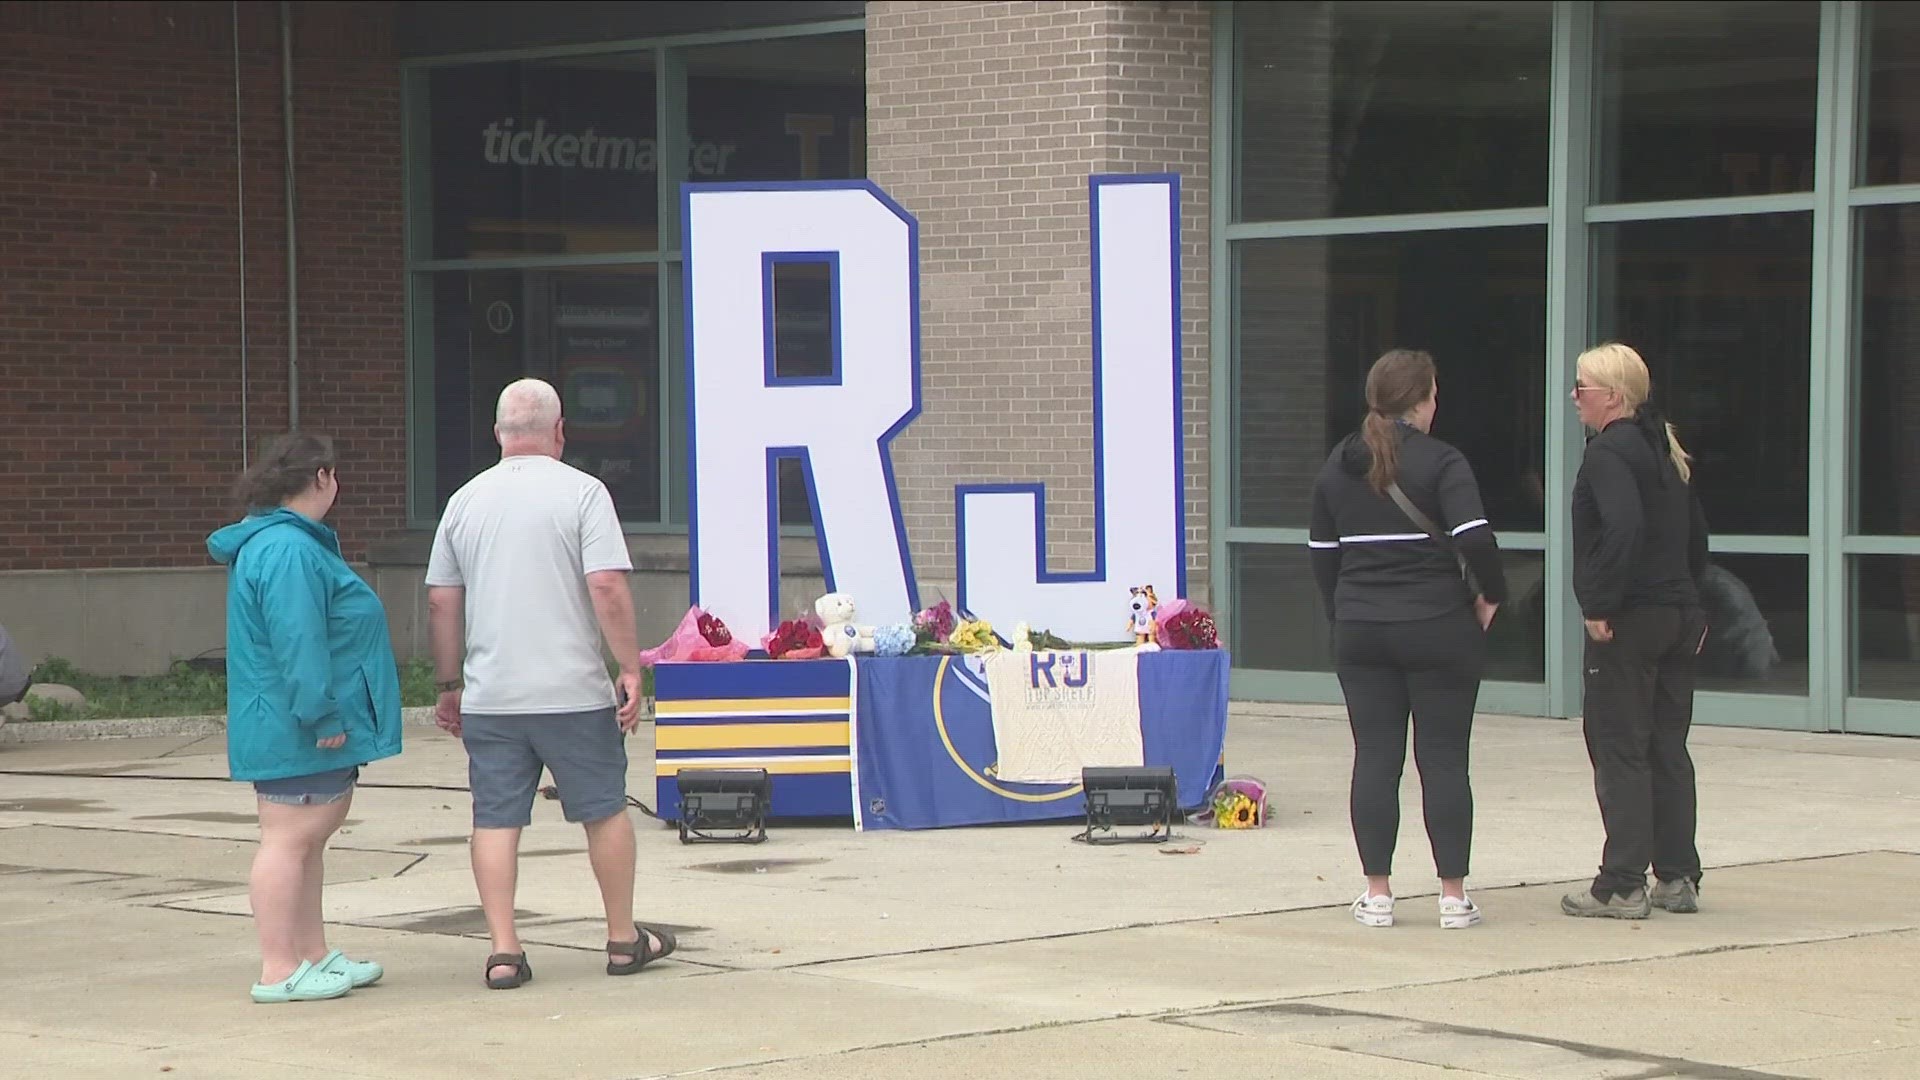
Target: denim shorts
x=586 y=752
x=314 y=789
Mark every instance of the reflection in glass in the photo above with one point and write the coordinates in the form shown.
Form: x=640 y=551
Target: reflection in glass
x=1313 y=314
x=1756 y=624
x=1384 y=108
x=1886 y=626
x=544 y=157
x=1886 y=461
x=791 y=109
x=1891 y=147
x=1280 y=623
x=591 y=333
x=1721 y=309
x=1705 y=99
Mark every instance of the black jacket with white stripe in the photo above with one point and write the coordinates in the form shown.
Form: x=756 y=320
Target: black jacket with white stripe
x=1372 y=562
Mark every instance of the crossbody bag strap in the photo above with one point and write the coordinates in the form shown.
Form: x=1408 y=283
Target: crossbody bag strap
x=1427 y=526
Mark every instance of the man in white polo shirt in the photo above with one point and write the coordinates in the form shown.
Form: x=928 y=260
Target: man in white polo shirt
x=528 y=576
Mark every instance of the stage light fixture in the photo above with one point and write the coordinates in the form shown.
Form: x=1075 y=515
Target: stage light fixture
x=1129 y=798
x=730 y=802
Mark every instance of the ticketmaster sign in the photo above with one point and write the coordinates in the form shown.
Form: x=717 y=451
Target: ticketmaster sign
x=505 y=143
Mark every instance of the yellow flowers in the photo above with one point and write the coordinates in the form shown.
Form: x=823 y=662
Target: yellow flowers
x=1232 y=810
x=974 y=635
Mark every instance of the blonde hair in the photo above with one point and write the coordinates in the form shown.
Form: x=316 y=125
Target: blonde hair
x=1618 y=368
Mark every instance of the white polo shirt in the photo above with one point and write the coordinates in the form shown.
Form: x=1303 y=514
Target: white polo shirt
x=521 y=538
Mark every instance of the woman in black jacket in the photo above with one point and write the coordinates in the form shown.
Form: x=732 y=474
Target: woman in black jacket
x=1639 y=546
x=1408 y=628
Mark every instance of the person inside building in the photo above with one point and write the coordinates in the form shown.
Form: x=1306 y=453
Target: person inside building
x=1410 y=572
x=527 y=577
x=313 y=694
x=1639 y=547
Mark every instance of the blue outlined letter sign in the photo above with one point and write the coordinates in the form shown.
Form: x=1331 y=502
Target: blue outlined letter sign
x=1139 y=519
x=744 y=417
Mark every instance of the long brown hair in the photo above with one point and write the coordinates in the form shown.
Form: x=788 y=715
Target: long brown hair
x=1400 y=380
x=285 y=470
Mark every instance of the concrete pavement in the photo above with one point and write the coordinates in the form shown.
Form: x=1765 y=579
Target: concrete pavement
x=125 y=949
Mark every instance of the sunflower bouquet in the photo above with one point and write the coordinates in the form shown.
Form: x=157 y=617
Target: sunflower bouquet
x=1239 y=803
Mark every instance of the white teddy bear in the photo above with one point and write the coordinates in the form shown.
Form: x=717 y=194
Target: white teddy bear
x=837 y=612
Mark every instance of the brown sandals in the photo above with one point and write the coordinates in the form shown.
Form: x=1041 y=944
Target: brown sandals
x=522 y=974
x=641 y=950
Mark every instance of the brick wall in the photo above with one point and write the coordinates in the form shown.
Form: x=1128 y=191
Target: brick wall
x=120 y=338
x=984 y=120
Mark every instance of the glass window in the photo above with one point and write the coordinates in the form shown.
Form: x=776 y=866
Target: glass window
x=1721 y=310
x=1890 y=147
x=593 y=334
x=1886 y=626
x=1517 y=640
x=1886 y=460
x=1388 y=108
x=793 y=109
x=1756 y=609
x=1280 y=622
x=1313 y=314
x=544 y=157
x=1705 y=99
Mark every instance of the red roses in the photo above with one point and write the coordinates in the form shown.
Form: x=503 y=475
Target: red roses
x=714 y=631
x=795 y=639
x=1190 y=628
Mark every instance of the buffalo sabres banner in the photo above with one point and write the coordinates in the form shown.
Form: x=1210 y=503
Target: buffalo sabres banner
x=971 y=740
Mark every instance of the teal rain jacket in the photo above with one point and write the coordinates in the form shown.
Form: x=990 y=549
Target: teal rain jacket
x=308 y=653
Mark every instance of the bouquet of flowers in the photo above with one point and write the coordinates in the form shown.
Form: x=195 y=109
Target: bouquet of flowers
x=701 y=636
x=794 y=639
x=896 y=640
x=1239 y=802
x=1187 y=627
x=973 y=635
x=935 y=624
x=1232 y=810
x=1027 y=639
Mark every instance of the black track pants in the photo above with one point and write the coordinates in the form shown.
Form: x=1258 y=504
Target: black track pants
x=1639 y=708
x=1431 y=669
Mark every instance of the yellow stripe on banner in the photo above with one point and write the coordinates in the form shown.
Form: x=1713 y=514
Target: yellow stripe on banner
x=750 y=706
x=791 y=767
x=771 y=737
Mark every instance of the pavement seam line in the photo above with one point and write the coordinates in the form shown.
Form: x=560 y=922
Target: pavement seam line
x=1342 y=905
x=1658 y=1065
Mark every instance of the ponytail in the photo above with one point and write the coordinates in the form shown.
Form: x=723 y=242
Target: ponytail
x=1682 y=461
x=1381 y=439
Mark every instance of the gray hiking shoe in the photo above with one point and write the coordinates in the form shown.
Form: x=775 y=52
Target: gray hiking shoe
x=1681 y=897
x=1584 y=905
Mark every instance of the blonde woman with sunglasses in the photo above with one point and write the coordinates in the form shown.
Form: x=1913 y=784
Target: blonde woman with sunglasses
x=1639 y=548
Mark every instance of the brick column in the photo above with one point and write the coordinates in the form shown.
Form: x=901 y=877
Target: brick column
x=984 y=120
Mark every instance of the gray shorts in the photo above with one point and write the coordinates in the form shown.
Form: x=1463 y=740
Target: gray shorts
x=585 y=751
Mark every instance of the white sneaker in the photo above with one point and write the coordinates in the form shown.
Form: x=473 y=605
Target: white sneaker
x=1373 y=910
x=1458 y=914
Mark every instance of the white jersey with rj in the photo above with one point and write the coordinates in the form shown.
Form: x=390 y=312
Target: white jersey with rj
x=521 y=538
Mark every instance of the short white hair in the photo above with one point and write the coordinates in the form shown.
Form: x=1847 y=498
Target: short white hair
x=527 y=407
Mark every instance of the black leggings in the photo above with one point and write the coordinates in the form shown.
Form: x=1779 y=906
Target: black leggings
x=1430 y=668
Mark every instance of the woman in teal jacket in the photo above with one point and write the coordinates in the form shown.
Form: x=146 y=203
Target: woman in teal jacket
x=312 y=695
